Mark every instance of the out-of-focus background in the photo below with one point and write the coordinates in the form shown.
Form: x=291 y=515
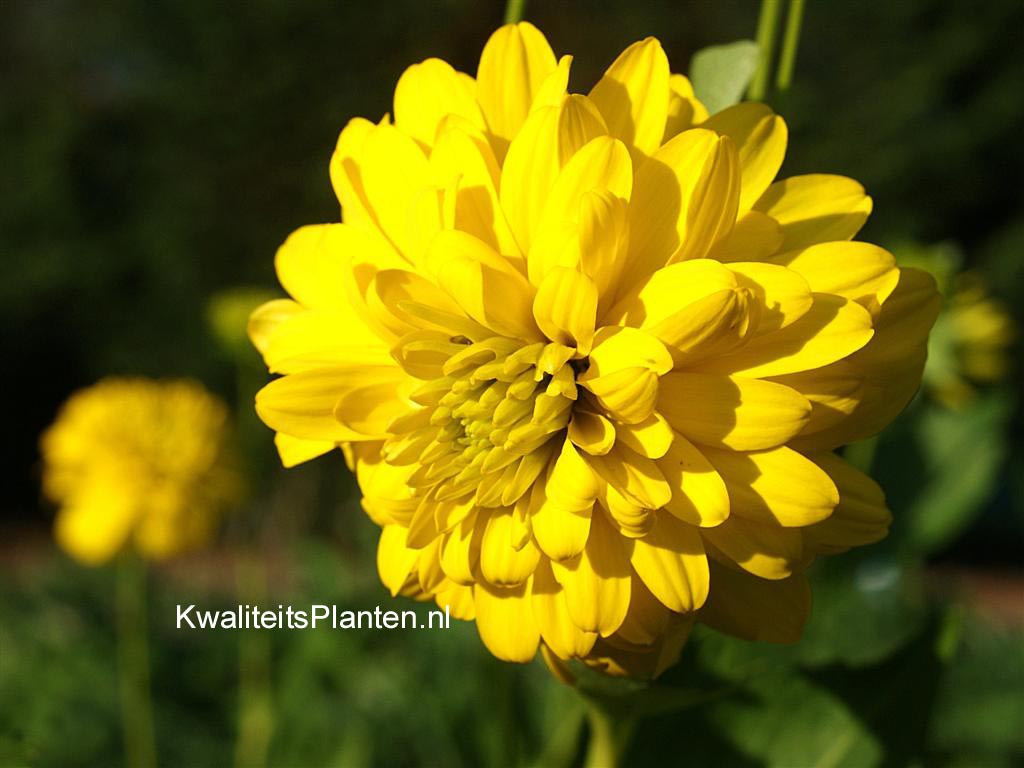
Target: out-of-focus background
x=154 y=154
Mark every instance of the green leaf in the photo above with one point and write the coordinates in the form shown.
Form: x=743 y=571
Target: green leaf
x=721 y=73
x=963 y=452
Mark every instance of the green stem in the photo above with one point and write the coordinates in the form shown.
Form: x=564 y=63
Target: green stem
x=790 y=42
x=255 y=704
x=133 y=664
x=767 y=25
x=609 y=737
x=514 y=10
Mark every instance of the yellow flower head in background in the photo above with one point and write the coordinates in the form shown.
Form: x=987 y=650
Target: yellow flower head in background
x=137 y=464
x=588 y=359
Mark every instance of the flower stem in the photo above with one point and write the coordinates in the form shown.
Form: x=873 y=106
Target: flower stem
x=790 y=42
x=767 y=24
x=608 y=737
x=514 y=10
x=255 y=705
x=133 y=664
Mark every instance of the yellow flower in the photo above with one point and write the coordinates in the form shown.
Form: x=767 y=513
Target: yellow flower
x=971 y=342
x=137 y=463
x=589 y=361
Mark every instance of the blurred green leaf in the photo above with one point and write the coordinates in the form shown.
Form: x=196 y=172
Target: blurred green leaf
x=787 y=720
x=721 y=73
x=962 y=451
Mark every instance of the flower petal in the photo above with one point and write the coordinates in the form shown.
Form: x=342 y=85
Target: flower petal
x=780 y=486
x=551 y=612
x=671 y=562
x=732 y=412
x=833 y=329
x=767 y=551
x=428 y=92
x=685 y=198
x=756 y=609
x=699 y=496
x=515 y=62
x=504 y=619
x=597 y=583
x=633 y=95
x=760 y=137
x=565 y=308
x=816 y=208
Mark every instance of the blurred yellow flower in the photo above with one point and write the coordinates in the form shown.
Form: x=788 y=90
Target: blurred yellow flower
x=971 y=343
x=136 y=463
x=588 y=359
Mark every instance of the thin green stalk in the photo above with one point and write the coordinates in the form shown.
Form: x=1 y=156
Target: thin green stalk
x=255 y=704
x=133 y=664
x=514 y=10
x=790 y=42
x=767 y=26
x=609 y=737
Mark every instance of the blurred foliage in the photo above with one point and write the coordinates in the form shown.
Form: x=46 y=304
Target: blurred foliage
x=155 y=155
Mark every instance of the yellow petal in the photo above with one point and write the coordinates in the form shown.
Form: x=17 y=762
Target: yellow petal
x=756 y=609
x=312 y=267
x=767 y=551
x=602 y=164
x=671 y=562
x=591 y=431
x=556 y=626
x=754 y=237
x=860 y=272
x=514 y=64
x=816 y=208
x=552 y=91
x=633 y=95
x=466 y=164
x=783 y=296
x=780 y=486
x=560 y=534
x=699 y=496
x=833 y=329
x=565 y=308
x=635 y=477
x=369 y=409
x=313 y=339
x=596 y=584
x=294 y=451
x=457 y=599
x=571 y=484
x=460 y=550
x=760 y=137
x=395 y=561
x=548 y=139
x=302 y=404
x=487 y=288
x=685 y=198
x=669 y=290
x=617 y=348
x=834 y=392
x=346 y=178
x=502 y=564
x=504 y=619
x=733 y=412
x=684 y=109
x=651 y=437
x=603 y=243
x=394 y=170
x=861 y=517
x=428 y=92
x=269 y=316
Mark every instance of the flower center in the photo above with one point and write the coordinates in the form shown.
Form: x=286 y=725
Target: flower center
x=487 y=421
